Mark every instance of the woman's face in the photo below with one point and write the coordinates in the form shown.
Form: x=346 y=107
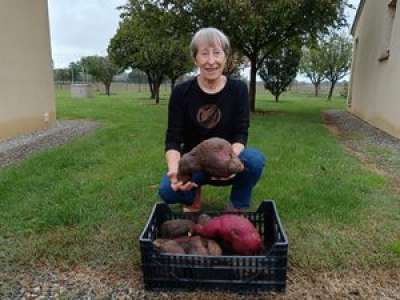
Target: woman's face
x=210 y=59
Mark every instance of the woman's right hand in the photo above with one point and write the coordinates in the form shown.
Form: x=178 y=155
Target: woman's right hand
x=179 y=185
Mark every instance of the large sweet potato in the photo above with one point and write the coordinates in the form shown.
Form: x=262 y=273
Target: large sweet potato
x=176 y=228
x=168 y=246
x=215 y=156
x=213 y=248
x=184 y=242
x=199 y=246
x=237 y=231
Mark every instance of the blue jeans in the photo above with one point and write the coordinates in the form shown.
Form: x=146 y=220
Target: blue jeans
x=242 y=183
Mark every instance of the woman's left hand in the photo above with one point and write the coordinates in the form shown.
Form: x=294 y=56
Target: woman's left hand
x=237 y=148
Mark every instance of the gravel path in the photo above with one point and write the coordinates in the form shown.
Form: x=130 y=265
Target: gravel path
x=371 y=145
x=20 y=147
x=95 y=284
x=361 y=131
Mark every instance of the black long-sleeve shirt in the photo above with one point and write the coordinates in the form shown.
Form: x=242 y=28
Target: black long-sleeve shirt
x=194 y=115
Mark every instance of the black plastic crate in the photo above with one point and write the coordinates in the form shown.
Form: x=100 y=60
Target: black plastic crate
x=263 y=272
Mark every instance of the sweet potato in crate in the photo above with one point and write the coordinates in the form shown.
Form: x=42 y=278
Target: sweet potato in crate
x=265 y=271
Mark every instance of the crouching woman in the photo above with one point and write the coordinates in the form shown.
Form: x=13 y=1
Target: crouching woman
x=210 y=105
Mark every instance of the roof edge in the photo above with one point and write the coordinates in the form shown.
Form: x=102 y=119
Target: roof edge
x=358 y=14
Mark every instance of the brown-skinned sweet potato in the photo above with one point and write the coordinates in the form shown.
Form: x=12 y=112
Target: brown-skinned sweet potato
x=175 y=228
x=213 y=248
x=189 y=244
x=184 y=242
x=197 y=246
x=215 y=156
x=168 y=246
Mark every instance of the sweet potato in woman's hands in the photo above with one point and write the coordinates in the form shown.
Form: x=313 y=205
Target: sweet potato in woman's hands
x=215 y=156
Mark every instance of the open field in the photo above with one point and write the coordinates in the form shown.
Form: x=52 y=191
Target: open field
x=83 y=205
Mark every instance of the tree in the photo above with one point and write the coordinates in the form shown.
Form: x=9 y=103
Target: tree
x=135 y=47
x=279 y=70
x=147 y=41
x=102 y=69
x=136 y=76
x=259 y=27
x=76 y=71
x=235 y=63
x=180 y=65
x=337 y=50
x=312 y=65
x=62 y=75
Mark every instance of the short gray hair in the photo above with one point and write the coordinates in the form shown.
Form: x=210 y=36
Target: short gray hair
x=209 y=35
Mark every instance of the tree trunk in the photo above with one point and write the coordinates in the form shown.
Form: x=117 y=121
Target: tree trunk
x=153 y=89
x=276 y=98
x=333 y=83
x=151 y=85
x=253 y=82
x=316 y=89
x=157 y=84
x=156 y=87
x=173 y=81
x=107 y=86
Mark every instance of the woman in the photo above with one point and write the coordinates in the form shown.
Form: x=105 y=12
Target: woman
x=211 y=105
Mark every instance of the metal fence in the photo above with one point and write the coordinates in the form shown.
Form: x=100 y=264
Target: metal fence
x=126 y=87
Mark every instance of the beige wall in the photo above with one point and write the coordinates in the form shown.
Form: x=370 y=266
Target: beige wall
x=26 y=78
x=375 y=87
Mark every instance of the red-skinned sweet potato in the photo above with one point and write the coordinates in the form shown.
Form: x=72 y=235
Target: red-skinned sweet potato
x=237 y=231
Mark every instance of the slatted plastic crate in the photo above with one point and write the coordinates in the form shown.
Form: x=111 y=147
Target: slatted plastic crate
x=263 y=272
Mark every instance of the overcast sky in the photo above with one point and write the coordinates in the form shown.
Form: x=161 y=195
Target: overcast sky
x=84 y=27
x=81 y=28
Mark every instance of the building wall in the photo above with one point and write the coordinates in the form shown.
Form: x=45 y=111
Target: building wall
x=26 y=78
x=375 y=85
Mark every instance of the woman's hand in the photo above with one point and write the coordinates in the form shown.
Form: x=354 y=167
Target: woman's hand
x=179 y=185
x=237 y=148
x=173 y=158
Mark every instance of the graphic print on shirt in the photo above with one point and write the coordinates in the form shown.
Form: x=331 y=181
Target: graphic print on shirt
x=209 y=115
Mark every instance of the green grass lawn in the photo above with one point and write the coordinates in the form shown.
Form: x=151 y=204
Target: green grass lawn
x=86 y=202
